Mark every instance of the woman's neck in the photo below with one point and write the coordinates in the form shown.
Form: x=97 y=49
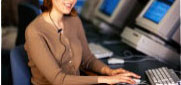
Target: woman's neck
x=56 y=16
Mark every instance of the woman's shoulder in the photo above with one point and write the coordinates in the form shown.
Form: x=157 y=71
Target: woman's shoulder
x=31 y=29
x=75 y=22
x=35 y=25
x=73 y=19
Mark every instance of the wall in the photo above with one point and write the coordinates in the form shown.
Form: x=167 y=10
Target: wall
x=10 y=11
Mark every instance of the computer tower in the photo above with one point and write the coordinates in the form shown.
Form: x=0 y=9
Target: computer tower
x=150 y=46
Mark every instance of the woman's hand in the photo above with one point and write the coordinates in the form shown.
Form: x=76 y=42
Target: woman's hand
x=112 y=72
x=117 y=76
x=125 y=77
x=123 y=72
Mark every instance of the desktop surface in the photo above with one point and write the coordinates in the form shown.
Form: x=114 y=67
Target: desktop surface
x=119 y=48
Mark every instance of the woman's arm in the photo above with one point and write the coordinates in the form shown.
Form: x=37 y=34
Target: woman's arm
x=89 y=62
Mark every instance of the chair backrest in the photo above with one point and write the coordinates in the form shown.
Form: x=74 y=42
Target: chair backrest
x=19 y=66
x=26 y=13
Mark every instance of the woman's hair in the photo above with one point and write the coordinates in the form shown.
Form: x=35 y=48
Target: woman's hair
x=47 y=6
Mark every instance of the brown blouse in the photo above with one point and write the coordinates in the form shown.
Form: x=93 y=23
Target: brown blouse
x=56 y=58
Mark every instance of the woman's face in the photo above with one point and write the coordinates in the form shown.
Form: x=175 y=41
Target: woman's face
x=63 y=6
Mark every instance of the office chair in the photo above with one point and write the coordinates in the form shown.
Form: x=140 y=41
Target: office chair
x=26 y=13
x=19 y=66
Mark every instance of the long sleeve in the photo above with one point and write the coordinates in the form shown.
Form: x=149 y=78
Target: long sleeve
x=89 y=61
x=38 y=50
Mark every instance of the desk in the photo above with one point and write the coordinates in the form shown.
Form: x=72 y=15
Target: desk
x=139 y=67
x=122 y=50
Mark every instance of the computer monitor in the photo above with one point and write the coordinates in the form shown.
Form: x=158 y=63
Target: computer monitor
x=40 y=2
x=79 y=5
x=88 y=10
x=176 y=36
x=160 y=17
x=115 y=12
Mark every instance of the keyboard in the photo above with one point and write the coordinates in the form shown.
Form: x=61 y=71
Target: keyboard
x=162 y=76
x=100 y=51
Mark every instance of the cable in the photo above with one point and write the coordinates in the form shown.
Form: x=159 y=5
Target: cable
x=140 y=60
x=129 y=57
x=135 y=56
x=117 y=60
x=176 y=71
x=64 y=50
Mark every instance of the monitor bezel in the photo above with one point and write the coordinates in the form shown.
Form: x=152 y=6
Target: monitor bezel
x=176 y=37
x=109 y=19
x=152 y=26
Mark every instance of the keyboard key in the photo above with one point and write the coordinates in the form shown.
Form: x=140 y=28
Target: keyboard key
x=156 y=75
x=164 y=76
x=152 y=76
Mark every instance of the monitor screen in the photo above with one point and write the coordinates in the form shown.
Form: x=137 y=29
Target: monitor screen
x=40 y=2
x=108 y=6
x=79 y=5
x=158 y=10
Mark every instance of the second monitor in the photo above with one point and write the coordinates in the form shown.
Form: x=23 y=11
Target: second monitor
x=160 y=17
x=115 y=12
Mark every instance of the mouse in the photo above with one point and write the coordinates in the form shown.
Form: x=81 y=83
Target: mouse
x=138 y=81
x=115 y=61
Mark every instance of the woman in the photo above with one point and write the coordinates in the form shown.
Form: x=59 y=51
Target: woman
x=57 y=49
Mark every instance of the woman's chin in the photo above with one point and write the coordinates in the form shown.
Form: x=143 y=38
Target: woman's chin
x=67 y=12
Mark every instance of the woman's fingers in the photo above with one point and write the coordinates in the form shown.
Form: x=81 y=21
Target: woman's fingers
x=123 y=76
x=131 y=74
x=118 y=71
x=127 y=80
x=120 y=79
